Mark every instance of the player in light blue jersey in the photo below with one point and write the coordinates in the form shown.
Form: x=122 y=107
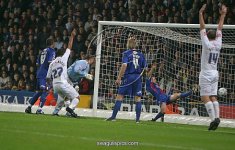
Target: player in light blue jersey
x=76 y=72
x=44 y=59
x=159 y=95
x=80 y=69
x=130 y=78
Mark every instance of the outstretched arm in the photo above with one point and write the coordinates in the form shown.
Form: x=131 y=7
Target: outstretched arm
x=153 y=67
x=70 y=45
x=223 y=12
x=201 y=18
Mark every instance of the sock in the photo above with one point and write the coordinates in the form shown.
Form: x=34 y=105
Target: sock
x=35 y=98
x=138 y=110
x=216 y=107
x=185 y=94
x=43 y=99
x=159 y=115
x=116 y=108
x=210 y=110
x=66 y=103
x=74 y=103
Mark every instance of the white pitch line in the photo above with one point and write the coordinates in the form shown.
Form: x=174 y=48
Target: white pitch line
x=96 y=140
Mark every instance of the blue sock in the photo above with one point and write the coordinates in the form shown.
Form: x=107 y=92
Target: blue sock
x=138 y=110
x=43 y=99
x=159 y=115
x=185 y=94
x=35 y=98
x=116 y=108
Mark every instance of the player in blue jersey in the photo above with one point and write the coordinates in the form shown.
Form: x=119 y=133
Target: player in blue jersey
x=130 y=78
x=78 y=70
x=44 y=59
x=161 y=98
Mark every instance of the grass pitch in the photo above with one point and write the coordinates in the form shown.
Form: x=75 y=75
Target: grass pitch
x=19 y=131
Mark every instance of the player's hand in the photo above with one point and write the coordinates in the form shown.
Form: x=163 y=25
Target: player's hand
x=118 y=82
x=76 y=88
x=74 y=32
x=154 y=65
x=202 y=9
x=89 y=76
x=223 y=10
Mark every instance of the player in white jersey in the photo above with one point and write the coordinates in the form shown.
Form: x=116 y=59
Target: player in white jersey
x=76 y=72
x=58 y=72
x=208 y=78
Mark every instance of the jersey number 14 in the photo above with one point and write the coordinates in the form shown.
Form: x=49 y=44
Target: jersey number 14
x=213 y=57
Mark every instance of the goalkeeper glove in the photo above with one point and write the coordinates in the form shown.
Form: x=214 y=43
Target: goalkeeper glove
x=89 y=76
x=76 y=88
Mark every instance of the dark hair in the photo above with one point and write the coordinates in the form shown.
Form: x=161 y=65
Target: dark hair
x=49 y=42
x=88 y=56
x=211 y=34
x=60 y=52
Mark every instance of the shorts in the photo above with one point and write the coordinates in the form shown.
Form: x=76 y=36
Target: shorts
x=131 y=85
x=163 y=98
x=65 y=90
x=208 y=82
x=41 y=84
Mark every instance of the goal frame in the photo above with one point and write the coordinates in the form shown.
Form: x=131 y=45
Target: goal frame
x=182 y=119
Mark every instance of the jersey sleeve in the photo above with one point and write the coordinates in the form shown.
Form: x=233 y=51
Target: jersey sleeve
x=81 y=68
x=51 y=55
x=124 y=58
x=204 y=39
x=49 y=72
x=219 y=37
x=65 y=57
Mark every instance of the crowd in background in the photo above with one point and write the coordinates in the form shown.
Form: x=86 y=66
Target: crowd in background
x=25 y=25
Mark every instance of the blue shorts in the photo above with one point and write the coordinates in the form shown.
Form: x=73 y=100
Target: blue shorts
x=164 y=98
x=41 y=84
x=131 y=85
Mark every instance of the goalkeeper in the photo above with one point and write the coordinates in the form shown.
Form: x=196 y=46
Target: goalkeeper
x=76 y=72
x=162 y=98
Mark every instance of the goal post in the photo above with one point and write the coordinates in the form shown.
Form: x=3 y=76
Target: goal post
x=177 y=49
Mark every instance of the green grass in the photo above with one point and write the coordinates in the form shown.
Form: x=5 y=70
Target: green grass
x=19 y=131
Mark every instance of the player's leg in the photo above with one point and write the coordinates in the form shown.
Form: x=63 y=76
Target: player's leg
x=215 y=103
x=59 y=105
x=72 y=95
x=116 y=107
x=42 y=83
x=138 y=108
x=161 y=113
x=34 y=98
x=205 y=92
x=137 y=92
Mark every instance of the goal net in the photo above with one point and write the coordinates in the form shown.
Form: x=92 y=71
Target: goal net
x=177 y=50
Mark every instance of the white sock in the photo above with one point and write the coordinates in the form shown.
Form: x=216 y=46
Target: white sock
x=74 y=103
x=210 y=110
x=216 y=107
x=67 y=103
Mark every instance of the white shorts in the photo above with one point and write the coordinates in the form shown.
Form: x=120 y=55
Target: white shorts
x=65 y=90
x=208 y=82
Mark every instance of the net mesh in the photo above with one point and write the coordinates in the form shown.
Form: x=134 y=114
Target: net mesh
x=177 y=52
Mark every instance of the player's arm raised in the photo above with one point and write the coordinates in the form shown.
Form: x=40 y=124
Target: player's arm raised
x=223 y=12
x=73 y=34
x=201 y=18
x=152 y=69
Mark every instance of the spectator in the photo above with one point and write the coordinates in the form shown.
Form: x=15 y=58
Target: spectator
x=3 y=80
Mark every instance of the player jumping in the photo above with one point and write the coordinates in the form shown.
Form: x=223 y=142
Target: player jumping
x=58 y=72
x=208 y=77
x=78 y=70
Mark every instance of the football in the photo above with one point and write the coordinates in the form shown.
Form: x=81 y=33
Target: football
x=222 y=92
